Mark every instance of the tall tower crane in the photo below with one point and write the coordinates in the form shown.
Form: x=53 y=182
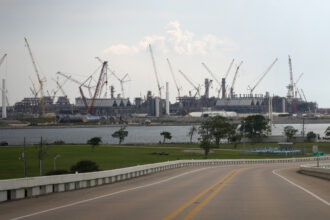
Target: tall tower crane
x=190 y=82
x=234 y=80
x=224 y=79
x=214 y=77
x=121 y=80
x=172 y=73
x=41 y=82
x=291 y=85
x=155 y=71
x=89 y=108
x=263 y=76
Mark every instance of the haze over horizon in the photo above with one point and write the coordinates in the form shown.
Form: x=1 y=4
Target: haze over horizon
x=66 y=36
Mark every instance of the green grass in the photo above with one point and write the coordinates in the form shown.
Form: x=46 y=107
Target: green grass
x=114 y=156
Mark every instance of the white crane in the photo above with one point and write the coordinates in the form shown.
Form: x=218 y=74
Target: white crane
x=69 y=77
x=3 y=58
x=155 y=71
x=263 y=76
x=295 y=85
x=191 y=83
x=41 y=81
x=234 y=80
x=226 y=76
x=291 y=85
x=178 y=88
x=214 y=77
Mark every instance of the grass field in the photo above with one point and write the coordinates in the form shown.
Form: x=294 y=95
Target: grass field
x=114 y=156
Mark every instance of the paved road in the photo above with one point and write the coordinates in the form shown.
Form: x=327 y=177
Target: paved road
x=232 y=192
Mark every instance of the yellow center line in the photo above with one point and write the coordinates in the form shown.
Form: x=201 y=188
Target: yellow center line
x=198 y=196
x=197 y=208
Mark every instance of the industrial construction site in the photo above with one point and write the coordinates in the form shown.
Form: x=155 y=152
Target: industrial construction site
x=97 y=100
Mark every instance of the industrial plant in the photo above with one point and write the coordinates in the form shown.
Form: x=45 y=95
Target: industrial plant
x=98 y=100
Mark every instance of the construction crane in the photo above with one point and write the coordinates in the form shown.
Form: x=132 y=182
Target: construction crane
x=3 y=59
x=309 y=109
x=214 y=77
x=155 y=71
x=227 y=73
x=41 y=82
x=291 y=85
x=121 y=80
x=263 y=76
x=234 y=80
x=172 y=73
x=59 y=86
x=295 y=85
x=190 y=82
x=69 y=77
x=89 y=108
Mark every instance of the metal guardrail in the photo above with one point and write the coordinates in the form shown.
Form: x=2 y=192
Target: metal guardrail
x=13 y=189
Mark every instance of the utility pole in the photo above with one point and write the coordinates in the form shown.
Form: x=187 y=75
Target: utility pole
x=24 y=158
x=40 y=155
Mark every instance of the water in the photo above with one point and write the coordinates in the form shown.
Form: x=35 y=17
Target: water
x=136 y=134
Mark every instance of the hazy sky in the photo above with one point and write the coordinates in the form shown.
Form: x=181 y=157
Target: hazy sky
x=67 y=35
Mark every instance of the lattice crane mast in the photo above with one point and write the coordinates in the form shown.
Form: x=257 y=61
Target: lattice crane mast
x=262 y=77
x=214 y=77
x=178 y=88
x=234 y=80
x=227 y=73
x=41 y=82
x=155 y=71
x=291 y=85
x=190 y=82
x=121 y=80
x=68 y=77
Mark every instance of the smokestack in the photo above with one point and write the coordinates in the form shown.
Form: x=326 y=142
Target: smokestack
x=167 y=100
x=223 y=85
x=4 y=105
x=157 y=100
x=207 y=86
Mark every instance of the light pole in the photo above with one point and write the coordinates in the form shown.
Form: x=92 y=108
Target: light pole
x=57 y=156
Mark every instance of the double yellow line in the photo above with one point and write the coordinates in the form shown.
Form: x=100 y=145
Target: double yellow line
x=221 y=183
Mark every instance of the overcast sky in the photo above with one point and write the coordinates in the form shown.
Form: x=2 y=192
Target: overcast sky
x=67 y=35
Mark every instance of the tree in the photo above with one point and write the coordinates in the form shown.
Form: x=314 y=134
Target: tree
x=311 y=136
x=94 y=142
x=289 y=132
x=205 y=137
x=166 y=135
x=255 y=127
x=191 y=132
x=327 y=132
x=220 y=128
x=121 y=134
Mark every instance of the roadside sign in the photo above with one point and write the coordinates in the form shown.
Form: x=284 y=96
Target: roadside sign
x=315 y=148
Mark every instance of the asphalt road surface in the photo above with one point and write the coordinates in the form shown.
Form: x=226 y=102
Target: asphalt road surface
x=220 y=192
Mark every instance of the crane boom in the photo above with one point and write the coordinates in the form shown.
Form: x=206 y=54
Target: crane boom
x=172 y=73
x=38 y=76
x=229 y=68
x=263 y=76
x=190 y=82
x=291 y=86
x=214 y=77
x=61 y=88
x=97 y=89
x=3 y=59
x=234 y=80
x=155 y=71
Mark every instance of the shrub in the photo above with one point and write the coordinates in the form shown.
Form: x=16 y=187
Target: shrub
x=84 y=166
x=56 y=172
x=311 y=136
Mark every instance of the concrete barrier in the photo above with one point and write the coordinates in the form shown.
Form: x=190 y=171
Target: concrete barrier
x=323 y=171
x=12 y=189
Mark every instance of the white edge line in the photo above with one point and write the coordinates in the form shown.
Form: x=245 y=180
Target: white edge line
x=106 y=195
x=300 y=187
